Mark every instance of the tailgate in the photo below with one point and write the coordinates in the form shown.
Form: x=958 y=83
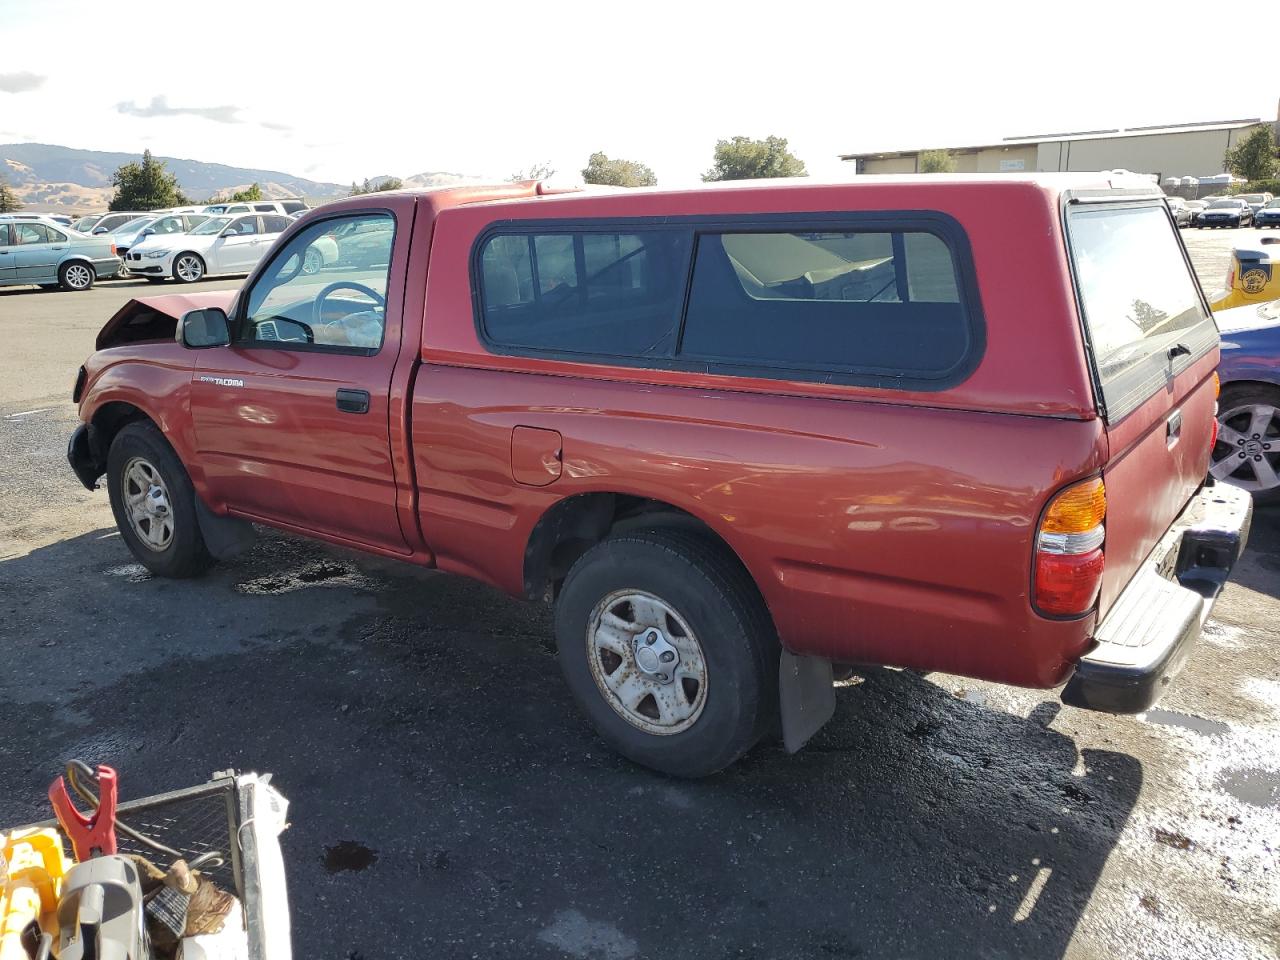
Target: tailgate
x=1154 y=348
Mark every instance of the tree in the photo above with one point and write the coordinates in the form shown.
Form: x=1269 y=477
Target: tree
x=250 y=193
x=538 y=171
x=617 y=172
x=936 y=161
x=375 y=186
x=9 y=201
x=145 y=186
x=1254 y=157
x=745 y=159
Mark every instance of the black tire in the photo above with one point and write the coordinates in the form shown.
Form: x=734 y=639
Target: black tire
x=185 y=553
x=709 y=589
x=1234 y=398
x=76 y=276
x=193 y=275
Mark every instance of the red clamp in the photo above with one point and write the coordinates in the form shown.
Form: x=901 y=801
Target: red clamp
x=89 y=836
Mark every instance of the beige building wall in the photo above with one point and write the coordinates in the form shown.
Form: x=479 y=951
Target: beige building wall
x=1187 y=153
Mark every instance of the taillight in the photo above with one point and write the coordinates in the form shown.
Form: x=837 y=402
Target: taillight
x=1069 y=557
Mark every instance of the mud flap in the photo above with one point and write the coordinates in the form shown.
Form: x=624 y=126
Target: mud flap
x=807 y=697
x=223 y=536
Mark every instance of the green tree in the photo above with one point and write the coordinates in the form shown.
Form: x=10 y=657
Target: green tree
x=9 y=201
x=617 y=172
x=375 y=186
x=145 y=186
x=1254 y=157
x=250 y=193
x=745 y=159
x=538 y=171
x=936 y=161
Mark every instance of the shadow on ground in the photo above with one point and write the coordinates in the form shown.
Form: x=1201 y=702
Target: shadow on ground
x=447 y=800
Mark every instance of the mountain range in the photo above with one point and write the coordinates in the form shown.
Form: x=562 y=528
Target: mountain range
x=56 y=178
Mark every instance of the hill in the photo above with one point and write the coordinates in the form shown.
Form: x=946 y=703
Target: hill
x=54 y=176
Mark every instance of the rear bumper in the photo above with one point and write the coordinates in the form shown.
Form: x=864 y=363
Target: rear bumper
x=1148 y=633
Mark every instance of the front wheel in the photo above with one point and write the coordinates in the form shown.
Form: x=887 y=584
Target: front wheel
x=188 y=268
x=1247 y=453
x=154 y=503
x=75 y=276
x=668 y=648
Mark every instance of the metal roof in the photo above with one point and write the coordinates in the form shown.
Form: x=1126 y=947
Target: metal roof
x=1203 y=127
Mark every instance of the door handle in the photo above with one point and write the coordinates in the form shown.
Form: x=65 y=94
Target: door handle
x=1173 y=428
x=353 y=401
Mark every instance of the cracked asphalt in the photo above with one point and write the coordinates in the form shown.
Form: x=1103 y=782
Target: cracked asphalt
x=448 y=801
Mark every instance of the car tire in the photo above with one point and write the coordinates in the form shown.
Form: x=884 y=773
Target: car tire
x=188 y=267
x=1246 y=410
x=704 y=608
x=154 y=503
x=76 y=276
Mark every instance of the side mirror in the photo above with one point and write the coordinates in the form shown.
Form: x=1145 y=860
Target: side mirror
x=147 y=232
x=98 y=230
x=199 y=329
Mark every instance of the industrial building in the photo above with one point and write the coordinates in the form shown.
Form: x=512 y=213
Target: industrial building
x=1179 y=150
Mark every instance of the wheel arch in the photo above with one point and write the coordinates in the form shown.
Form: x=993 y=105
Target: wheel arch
x=571 y=526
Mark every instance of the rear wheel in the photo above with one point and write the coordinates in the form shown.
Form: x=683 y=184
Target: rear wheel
x=75 y=276
x=668 y=648
x=188 y=268
x=154 y=503
x=1247 y=453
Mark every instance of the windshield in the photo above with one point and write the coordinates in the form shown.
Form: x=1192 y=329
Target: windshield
x=85 y=224
x=1273 y=204
x=1223 y=204
x=137 y=223
x=211 y=226
x=1138 y=297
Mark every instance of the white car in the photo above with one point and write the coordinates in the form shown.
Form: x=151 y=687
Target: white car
x=219 y=245
x=287 y=207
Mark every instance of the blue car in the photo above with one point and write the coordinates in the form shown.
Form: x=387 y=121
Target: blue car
x=45 y=254
x=1268 y=216
x=1247 y=453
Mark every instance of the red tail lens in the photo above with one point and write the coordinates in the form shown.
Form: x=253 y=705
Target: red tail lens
x=1069 y=559
x=1068 y=584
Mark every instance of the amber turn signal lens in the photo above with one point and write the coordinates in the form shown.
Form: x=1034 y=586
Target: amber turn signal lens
x=1077 y=509
x=1217 y=385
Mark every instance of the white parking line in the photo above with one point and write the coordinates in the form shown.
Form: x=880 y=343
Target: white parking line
x=27 y=413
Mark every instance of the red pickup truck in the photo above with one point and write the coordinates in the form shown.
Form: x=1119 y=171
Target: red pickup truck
x=740 y=436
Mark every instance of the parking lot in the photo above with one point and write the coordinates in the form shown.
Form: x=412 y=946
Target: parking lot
x=447 y=800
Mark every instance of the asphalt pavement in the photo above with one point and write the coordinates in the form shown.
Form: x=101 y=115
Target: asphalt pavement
x=448 y=801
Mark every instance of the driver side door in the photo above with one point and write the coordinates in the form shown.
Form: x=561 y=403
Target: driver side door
x=291 y=419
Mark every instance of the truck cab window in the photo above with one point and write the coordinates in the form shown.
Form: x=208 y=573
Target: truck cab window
x=326 y=289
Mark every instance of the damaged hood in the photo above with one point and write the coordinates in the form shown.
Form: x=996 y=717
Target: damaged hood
x=156 y=318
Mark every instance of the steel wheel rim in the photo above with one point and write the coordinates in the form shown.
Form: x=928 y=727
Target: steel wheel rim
x=77 y=276
x=629 y=636
x=189 y=268
x=1247 y=454
x=146 y=502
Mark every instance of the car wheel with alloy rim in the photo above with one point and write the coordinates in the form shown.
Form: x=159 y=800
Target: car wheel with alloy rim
x=188 y=268
x=76 y=276
x=1247 y=452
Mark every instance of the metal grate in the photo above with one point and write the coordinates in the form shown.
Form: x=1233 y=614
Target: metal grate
x=193 y=821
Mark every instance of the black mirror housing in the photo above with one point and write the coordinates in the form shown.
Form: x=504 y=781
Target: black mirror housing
x=201 y=329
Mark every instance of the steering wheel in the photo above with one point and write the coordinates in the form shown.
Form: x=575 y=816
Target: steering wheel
x=317 y=315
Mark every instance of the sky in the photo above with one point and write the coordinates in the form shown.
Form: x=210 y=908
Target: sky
x=344 y=91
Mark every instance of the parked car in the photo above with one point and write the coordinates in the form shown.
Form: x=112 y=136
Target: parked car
x=1268 y=216
x=1253 y=275
x=135 y=231
x=1181 y=212
x=111 y=221
x=1229 y=212
x=736 y=435
x=1196 y=207
x=1247 y=451
x=216 y=246
x=86 y=224
x=38 y=252
x=286 y=207
x=59 y=219
x=1256 y=201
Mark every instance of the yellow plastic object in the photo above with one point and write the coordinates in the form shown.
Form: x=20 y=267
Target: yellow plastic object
x=31 y=873
x=1254 y=277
